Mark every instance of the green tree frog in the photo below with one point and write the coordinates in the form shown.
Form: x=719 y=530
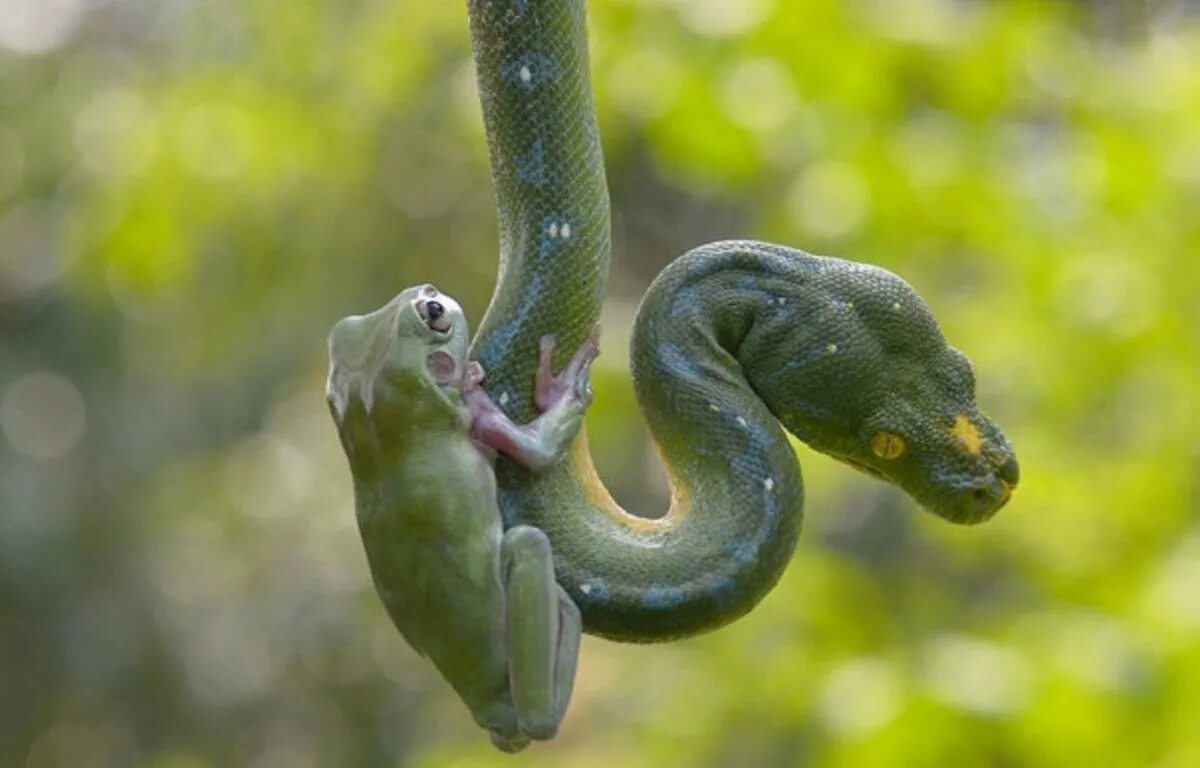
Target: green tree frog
x=420 y=433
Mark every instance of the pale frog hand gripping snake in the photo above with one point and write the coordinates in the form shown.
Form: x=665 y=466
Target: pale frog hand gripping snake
x=734 y=343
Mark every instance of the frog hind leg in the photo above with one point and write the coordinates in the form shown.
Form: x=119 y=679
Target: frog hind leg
x=499 y=718
x=510 y=743
x=570 y=628
x=543 y=635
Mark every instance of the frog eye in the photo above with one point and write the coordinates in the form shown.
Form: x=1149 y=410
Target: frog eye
x=887 y=445
x=435 y=316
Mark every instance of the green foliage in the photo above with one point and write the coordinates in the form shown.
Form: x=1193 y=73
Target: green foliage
x=191 y=194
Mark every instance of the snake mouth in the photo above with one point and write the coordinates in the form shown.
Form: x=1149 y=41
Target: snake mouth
x=861 y=467
x=966 y=506
x=981 y=504
x=1008 y=489
x=989 y=498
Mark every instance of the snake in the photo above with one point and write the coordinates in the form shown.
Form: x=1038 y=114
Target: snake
x=735 y=344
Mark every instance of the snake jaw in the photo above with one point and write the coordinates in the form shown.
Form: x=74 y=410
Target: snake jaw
x=963 y=484
x=862 y=467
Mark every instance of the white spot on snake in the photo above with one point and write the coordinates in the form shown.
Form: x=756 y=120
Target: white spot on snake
x=832 y=348
x=769 y=484
x=896 y=307
x=714 y=408
x=741 y=421
x=595 y=589
x=503 y=398
x=555 y=233
x=530 y=70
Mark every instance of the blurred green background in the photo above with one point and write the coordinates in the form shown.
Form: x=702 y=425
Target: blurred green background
x=191 y=193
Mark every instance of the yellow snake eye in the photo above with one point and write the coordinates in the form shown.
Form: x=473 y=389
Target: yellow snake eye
x=886 y=445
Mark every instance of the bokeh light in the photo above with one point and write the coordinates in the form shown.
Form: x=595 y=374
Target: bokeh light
x=42 y=415
x=38 y=27
x=192 y=193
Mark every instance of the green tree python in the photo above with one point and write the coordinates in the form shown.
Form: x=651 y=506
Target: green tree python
x=734 y=343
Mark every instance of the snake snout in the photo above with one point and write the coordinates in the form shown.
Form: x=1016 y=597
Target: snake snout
x=970 y=488
x=992 y=497
x=980 y=501
x=1009 y=470
x=991 y=464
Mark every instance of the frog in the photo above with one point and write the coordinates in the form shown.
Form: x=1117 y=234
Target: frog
x=422 y=436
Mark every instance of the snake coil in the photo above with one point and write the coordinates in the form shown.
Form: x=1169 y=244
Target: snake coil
x=733 y=343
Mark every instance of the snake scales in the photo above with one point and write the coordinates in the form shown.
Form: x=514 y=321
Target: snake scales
x=734 y=343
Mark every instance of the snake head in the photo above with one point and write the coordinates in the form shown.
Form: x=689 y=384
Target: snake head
x=407 y=352
x=928 y=437
x=878 y=387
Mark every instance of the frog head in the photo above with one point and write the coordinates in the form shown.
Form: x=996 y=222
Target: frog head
x=409 y=350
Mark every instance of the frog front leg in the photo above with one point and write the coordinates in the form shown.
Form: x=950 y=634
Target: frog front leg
x=562 y=400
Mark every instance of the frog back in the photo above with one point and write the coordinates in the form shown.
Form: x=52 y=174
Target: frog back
x=432 y=531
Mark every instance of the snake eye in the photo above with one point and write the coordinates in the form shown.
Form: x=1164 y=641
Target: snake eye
x=435 y=316
x=887 y=445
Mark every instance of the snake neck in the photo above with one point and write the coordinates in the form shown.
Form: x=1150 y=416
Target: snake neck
x=531 y=63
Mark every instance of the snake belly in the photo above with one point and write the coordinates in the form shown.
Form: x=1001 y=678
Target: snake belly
x=733 y=342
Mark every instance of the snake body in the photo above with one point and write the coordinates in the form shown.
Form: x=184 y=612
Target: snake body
x=733 y=343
